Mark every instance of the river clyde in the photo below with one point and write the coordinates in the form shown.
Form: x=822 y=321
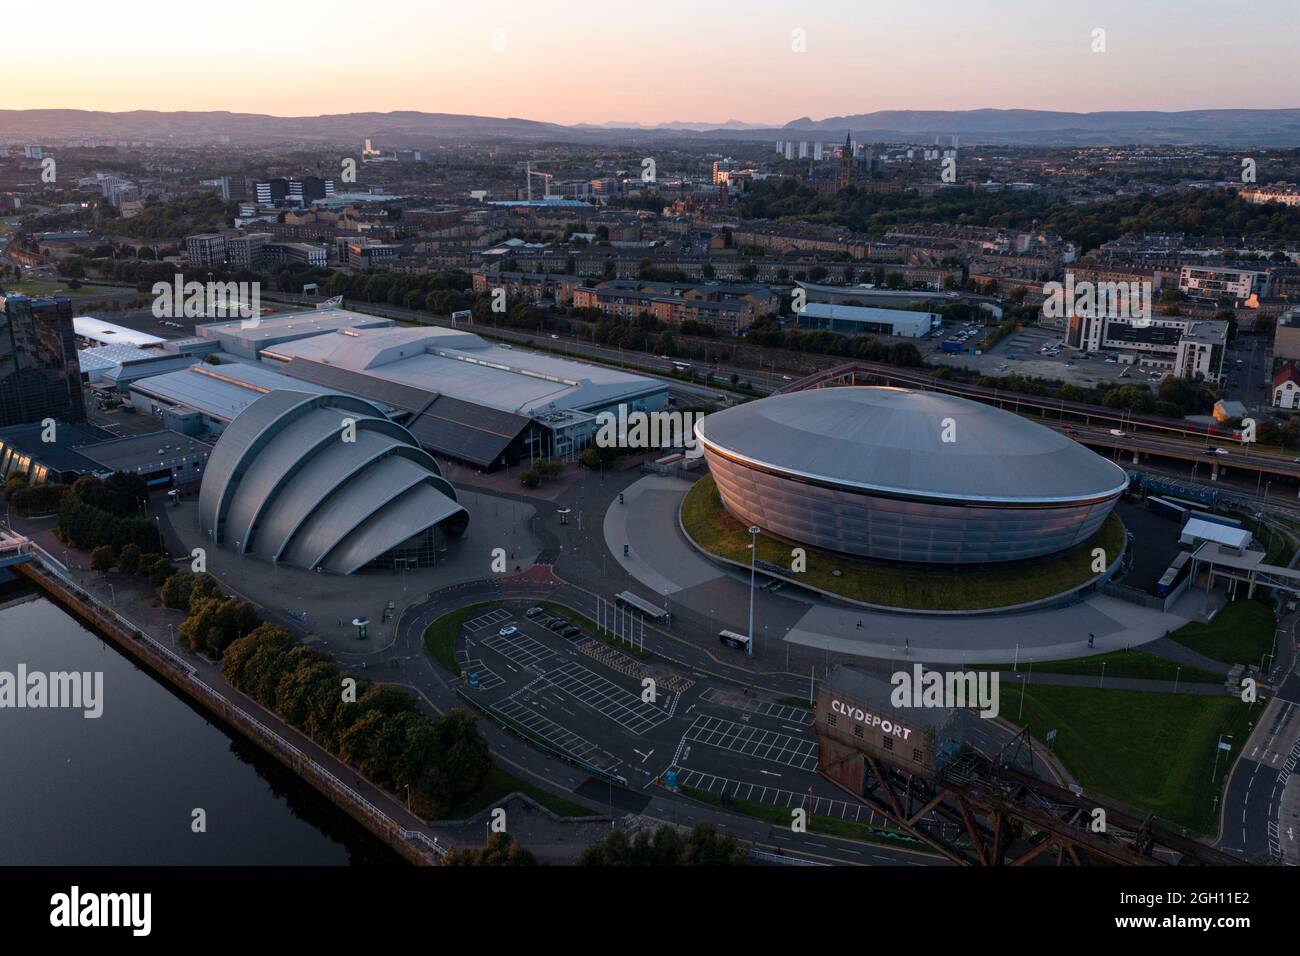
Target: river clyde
x=122 y=788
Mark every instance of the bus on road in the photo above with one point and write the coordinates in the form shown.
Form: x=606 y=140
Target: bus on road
x=652 y=611
x=732 y=639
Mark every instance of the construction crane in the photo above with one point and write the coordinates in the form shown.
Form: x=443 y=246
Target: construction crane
x=546 y=182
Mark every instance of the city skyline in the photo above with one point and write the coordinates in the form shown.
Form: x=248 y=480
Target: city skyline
x=682 y=65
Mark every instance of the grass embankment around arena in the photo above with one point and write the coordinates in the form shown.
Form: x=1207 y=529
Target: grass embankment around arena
x=964 y=588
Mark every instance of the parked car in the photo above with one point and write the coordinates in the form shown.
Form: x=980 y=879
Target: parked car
x=533 y=612
x=508 y=631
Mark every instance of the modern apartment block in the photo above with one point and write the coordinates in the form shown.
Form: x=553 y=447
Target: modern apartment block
x=40 y=377
x=1185 y=346
x=305 y=252
x=365 y=253
x=1216 y=282
x=208 y=249
x=280 y=190
x=246 y=251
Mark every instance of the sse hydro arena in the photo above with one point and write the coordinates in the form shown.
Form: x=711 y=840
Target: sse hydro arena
x=867 y=472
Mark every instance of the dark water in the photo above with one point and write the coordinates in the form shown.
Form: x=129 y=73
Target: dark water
x=120 y=789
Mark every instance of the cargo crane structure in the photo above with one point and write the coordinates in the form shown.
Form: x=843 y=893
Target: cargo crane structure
x=981 y=811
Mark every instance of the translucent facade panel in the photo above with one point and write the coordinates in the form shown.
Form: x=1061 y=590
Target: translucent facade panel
x=940 y=532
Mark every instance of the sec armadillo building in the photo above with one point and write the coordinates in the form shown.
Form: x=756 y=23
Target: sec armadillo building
x=905 y=475
x=326 y=482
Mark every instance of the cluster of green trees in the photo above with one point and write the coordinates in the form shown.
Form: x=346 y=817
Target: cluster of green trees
x=1200 y=213
x=858 y=209
x=703 y=846
x=29 y=499
x=1283 y=434
x=110 y=512
x=374 y=728
x=500 y=850
x=540 y=470
x=1175 y=398
x=131 y=560
x=641 y=200
x=1212 y=212
x=766 y=333
x=182 y=216
x=442 y=292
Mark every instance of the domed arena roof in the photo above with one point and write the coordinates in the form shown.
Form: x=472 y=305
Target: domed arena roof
x=910 y=443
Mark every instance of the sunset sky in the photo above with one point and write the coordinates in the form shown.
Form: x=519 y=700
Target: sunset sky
x=574 y=61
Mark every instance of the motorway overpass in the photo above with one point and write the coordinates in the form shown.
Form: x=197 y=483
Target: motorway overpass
x=1208 y=452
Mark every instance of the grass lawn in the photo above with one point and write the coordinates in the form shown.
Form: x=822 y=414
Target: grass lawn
x=500 y=783
x=817 y=823
x=959 y=589
x=1241 y=633
x=440 y=636
x=1134 y=664
x=588 y=625
x=45 y=287
x=1150 y=752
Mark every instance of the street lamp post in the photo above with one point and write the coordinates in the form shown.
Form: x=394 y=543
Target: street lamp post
x=1219 y=746
x=753 y=550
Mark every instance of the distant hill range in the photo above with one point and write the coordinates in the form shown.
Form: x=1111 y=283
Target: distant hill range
x=1046 y=128
x=1226 y=127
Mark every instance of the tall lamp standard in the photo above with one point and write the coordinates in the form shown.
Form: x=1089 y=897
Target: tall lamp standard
x=753 y=550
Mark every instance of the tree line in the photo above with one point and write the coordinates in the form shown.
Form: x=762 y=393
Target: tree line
x=374 y=728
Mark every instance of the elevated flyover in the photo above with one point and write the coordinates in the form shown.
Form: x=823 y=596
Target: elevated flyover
x=1144 y=436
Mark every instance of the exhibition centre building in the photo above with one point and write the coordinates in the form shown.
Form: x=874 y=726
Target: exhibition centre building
x=326 y=482
x=906 y=475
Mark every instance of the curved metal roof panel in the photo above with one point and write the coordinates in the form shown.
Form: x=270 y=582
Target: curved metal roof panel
x=417 y=509
x=319 y=432
x=315 y=482
x=363 y=495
